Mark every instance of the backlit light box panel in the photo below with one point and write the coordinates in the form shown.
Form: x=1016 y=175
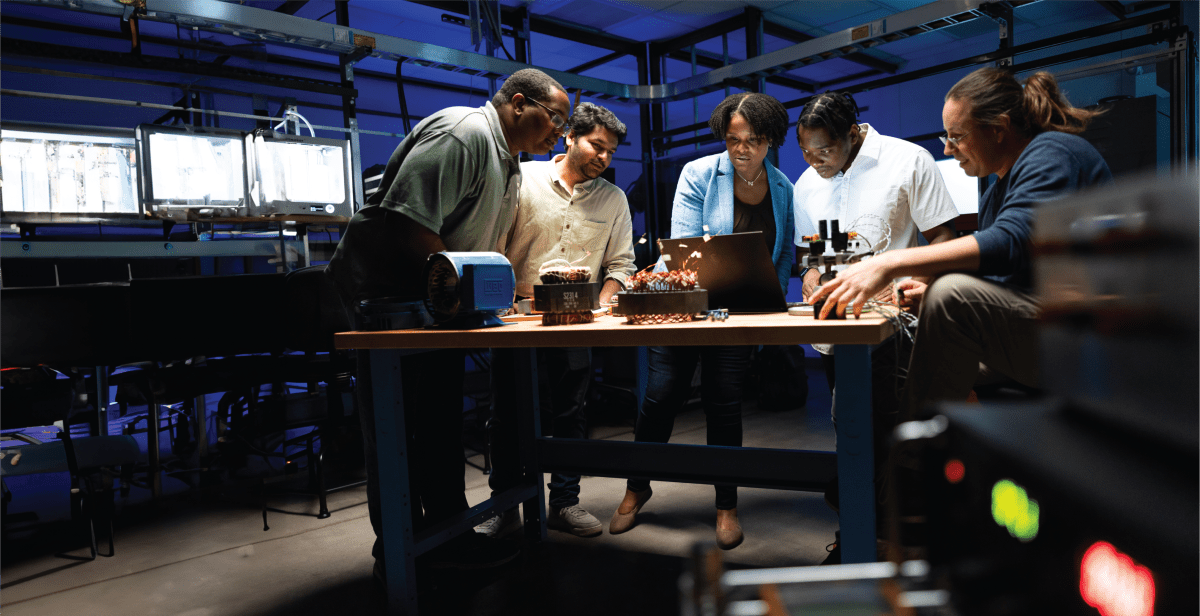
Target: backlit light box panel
x=69 y=174
x=292 y=174
x=187 y=168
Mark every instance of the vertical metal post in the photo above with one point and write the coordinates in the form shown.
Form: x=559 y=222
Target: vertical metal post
x=200 y=415
x=649 y=185
x=153 y=448
x=1003 y=15
x=350 y=109
x=523 y=45
x=282 y=268
x=754 y=42
x=1179 y=87
x=529 y=426
x=101 y=400
x=855 y=452
x=306 y=254
x=665 y=118
x=695 y=102
x=725 y=56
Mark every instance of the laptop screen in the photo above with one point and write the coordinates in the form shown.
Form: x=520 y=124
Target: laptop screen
x=735 y=269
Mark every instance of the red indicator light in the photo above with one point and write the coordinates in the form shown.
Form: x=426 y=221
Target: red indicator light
x=955 y=471
x=1112 y=583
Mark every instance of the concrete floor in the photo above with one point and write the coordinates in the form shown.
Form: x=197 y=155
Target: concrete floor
x=194 y=555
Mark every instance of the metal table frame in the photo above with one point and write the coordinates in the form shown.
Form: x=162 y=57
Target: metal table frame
x=750 y=467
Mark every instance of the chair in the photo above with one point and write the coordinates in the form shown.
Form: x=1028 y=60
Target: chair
x=313 y=313
x=35 y=396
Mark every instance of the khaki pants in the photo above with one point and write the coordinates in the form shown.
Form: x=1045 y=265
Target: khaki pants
x=969 y=327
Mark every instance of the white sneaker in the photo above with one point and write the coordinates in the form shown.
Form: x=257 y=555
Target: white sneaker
x=500 y=525
x=575 y=520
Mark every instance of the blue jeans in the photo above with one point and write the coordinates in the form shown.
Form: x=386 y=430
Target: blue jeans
x=722 y=376
x=567 y=373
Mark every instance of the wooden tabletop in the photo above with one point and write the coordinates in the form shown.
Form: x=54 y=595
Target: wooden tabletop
x=610 y=331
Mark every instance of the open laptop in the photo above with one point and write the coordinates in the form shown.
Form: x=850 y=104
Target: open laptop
x=735 y=269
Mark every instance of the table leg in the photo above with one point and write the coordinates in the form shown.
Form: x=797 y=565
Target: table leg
x=391 y=446
x=855 y=453
x=529 y=429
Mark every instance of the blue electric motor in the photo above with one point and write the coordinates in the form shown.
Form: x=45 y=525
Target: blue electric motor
x=467 y=289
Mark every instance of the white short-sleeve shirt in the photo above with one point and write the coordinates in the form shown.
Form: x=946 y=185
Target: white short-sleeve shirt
x=891 y=184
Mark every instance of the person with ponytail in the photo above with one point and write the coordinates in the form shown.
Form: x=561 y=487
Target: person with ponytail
x=979 y=316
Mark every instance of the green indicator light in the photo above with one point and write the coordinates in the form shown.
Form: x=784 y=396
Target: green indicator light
x=1014 y=510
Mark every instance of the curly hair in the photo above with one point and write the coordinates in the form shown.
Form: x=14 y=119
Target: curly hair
x=836 y=112
x=766 y=115
x=588 y=116
x=1034 y=107
x=528 y=81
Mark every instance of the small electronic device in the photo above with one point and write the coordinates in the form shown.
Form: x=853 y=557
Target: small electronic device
x=197 y=170
x=467 y=290
x=565 y=295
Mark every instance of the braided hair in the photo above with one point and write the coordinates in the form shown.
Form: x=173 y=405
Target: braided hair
x=765 y=113
x=836 y=112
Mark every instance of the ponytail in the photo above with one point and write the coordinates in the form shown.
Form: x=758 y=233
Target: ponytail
x=1047 y=109
x=1037 y=108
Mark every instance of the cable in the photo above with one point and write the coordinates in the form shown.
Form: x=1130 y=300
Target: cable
x=403 y=98
x=311 y=132
x=495 y=27
x=292 y=114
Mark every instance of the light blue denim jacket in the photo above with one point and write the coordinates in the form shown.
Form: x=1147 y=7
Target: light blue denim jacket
x=705 y=197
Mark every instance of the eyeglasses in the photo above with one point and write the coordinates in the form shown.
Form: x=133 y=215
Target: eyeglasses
x=555 y=119
x=954 y=141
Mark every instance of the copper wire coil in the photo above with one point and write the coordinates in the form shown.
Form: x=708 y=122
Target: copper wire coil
x=567 y=318
x=659 y=282
x=565 y=275
x=657 y=319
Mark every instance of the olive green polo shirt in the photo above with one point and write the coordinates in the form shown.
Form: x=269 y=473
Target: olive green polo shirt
x=453 y=175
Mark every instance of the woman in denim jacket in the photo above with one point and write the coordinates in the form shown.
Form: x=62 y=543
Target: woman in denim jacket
x=730 y=192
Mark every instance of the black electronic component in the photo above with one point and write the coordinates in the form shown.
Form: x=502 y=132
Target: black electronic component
x=666 y=302
x=566 y=297
x=838 y=238
x=1019 y=494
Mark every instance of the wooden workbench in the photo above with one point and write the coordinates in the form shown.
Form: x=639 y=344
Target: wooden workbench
x=750 y=467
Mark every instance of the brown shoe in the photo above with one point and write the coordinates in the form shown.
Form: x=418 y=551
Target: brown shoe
x=729 y=536
x=633 y=501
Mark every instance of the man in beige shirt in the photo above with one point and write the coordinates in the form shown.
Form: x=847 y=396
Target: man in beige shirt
x=566 y=211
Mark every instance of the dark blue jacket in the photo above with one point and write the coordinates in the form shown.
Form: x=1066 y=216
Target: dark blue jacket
x=1053 y=165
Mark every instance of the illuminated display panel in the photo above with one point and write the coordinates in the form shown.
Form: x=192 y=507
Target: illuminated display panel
x=68 y=173
x=194 y=168
x=300 y=175
x=964 y=189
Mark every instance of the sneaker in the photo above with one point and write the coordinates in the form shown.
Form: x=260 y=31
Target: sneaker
x=575 y=520
x=501 y=525
x=470 y=551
